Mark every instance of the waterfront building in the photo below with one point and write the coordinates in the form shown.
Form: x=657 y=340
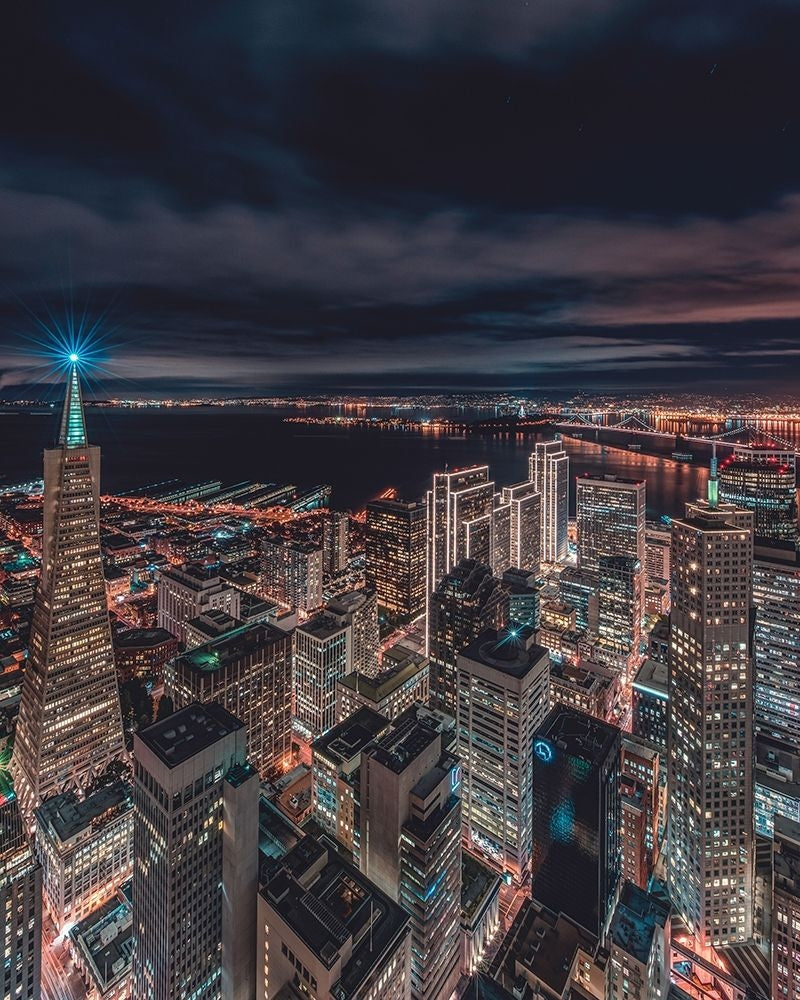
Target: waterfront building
x=324 y=930
x=291 y=573
x=322 y=656
x=786 y=909
x=526 y=525
x=335 y=765
x=503 y=694
x=411 y=841
x=184 y=592
x=85 y=847
x=195 y=876
x=548 y=470
x=467 y=601
x=762 y=480
x=403 y=680
x=710 y=733
x=20 y=906
x=335 y=544
x=639 y=947
x=249 y=672
x=395 y=541
x=610 y=514
x=359 y=610
x=576 y=817
x=776 y=640
x=70 y=725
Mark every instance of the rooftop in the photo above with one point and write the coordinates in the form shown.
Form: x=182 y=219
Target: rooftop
x=580 y=735
x=105 y=938
x=653 y=678
x=327 y=903
x=406 y=740
x=477 y=884
x=510 y=651
x=345 y=741
x=387 y=681
x=188 y=732
x=229 y=647
x=143 y=638
x=321 y=626
x=67 y=815
x=637 y=916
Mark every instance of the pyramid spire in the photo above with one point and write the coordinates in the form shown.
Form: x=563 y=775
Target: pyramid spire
x=73 y=423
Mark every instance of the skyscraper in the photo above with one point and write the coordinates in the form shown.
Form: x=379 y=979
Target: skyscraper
x=620 y=608
x=776 y=640
x=321 y=657
x=249 y=672
x=411 y=842
x=610 y=515
x=762 y=479
x=502 y=700
x=70 y=727
x=548 y=470
x=195 y=873
x=359 y=610
x=185 y=592
x=576 y=816
x=394 y=553
x=710 y=730
x=786 y=909
x=20 y=906
x=291 y=573
x=525 y=502
x=467 y=601
x=335 y=530
x=459 y=506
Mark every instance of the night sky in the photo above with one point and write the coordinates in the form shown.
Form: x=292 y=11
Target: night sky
x=291 y=195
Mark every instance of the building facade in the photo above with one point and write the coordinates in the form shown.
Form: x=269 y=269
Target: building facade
x=195 y=874
x=395 y=542
x=548 y=470
x=576 y=817
x=249 y=672
x=411 y=843
x=322 y=656
x=525 y=503
x=762 y=480
x=70 y=725
x=404 y=680
x=184 y=592
x=324 y=930
x=20 y=907
x=85 y=847
x=610 y=516
x=786 y=909
x=503 y=697
x=335 y=542
x=291 y=573
x=710 y=733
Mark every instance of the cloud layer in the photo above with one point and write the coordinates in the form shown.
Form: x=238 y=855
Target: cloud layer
x=386 y=192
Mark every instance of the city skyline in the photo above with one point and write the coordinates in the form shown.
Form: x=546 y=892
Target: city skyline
x=407 y=195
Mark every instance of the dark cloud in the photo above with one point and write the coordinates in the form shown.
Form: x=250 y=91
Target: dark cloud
x=274 y=193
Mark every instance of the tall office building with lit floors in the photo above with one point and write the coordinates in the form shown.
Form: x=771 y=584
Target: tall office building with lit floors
x=195 y=874
x=70 y=727
x=710 y=856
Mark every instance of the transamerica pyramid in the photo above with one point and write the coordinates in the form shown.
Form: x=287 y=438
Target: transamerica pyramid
x=70 y=725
